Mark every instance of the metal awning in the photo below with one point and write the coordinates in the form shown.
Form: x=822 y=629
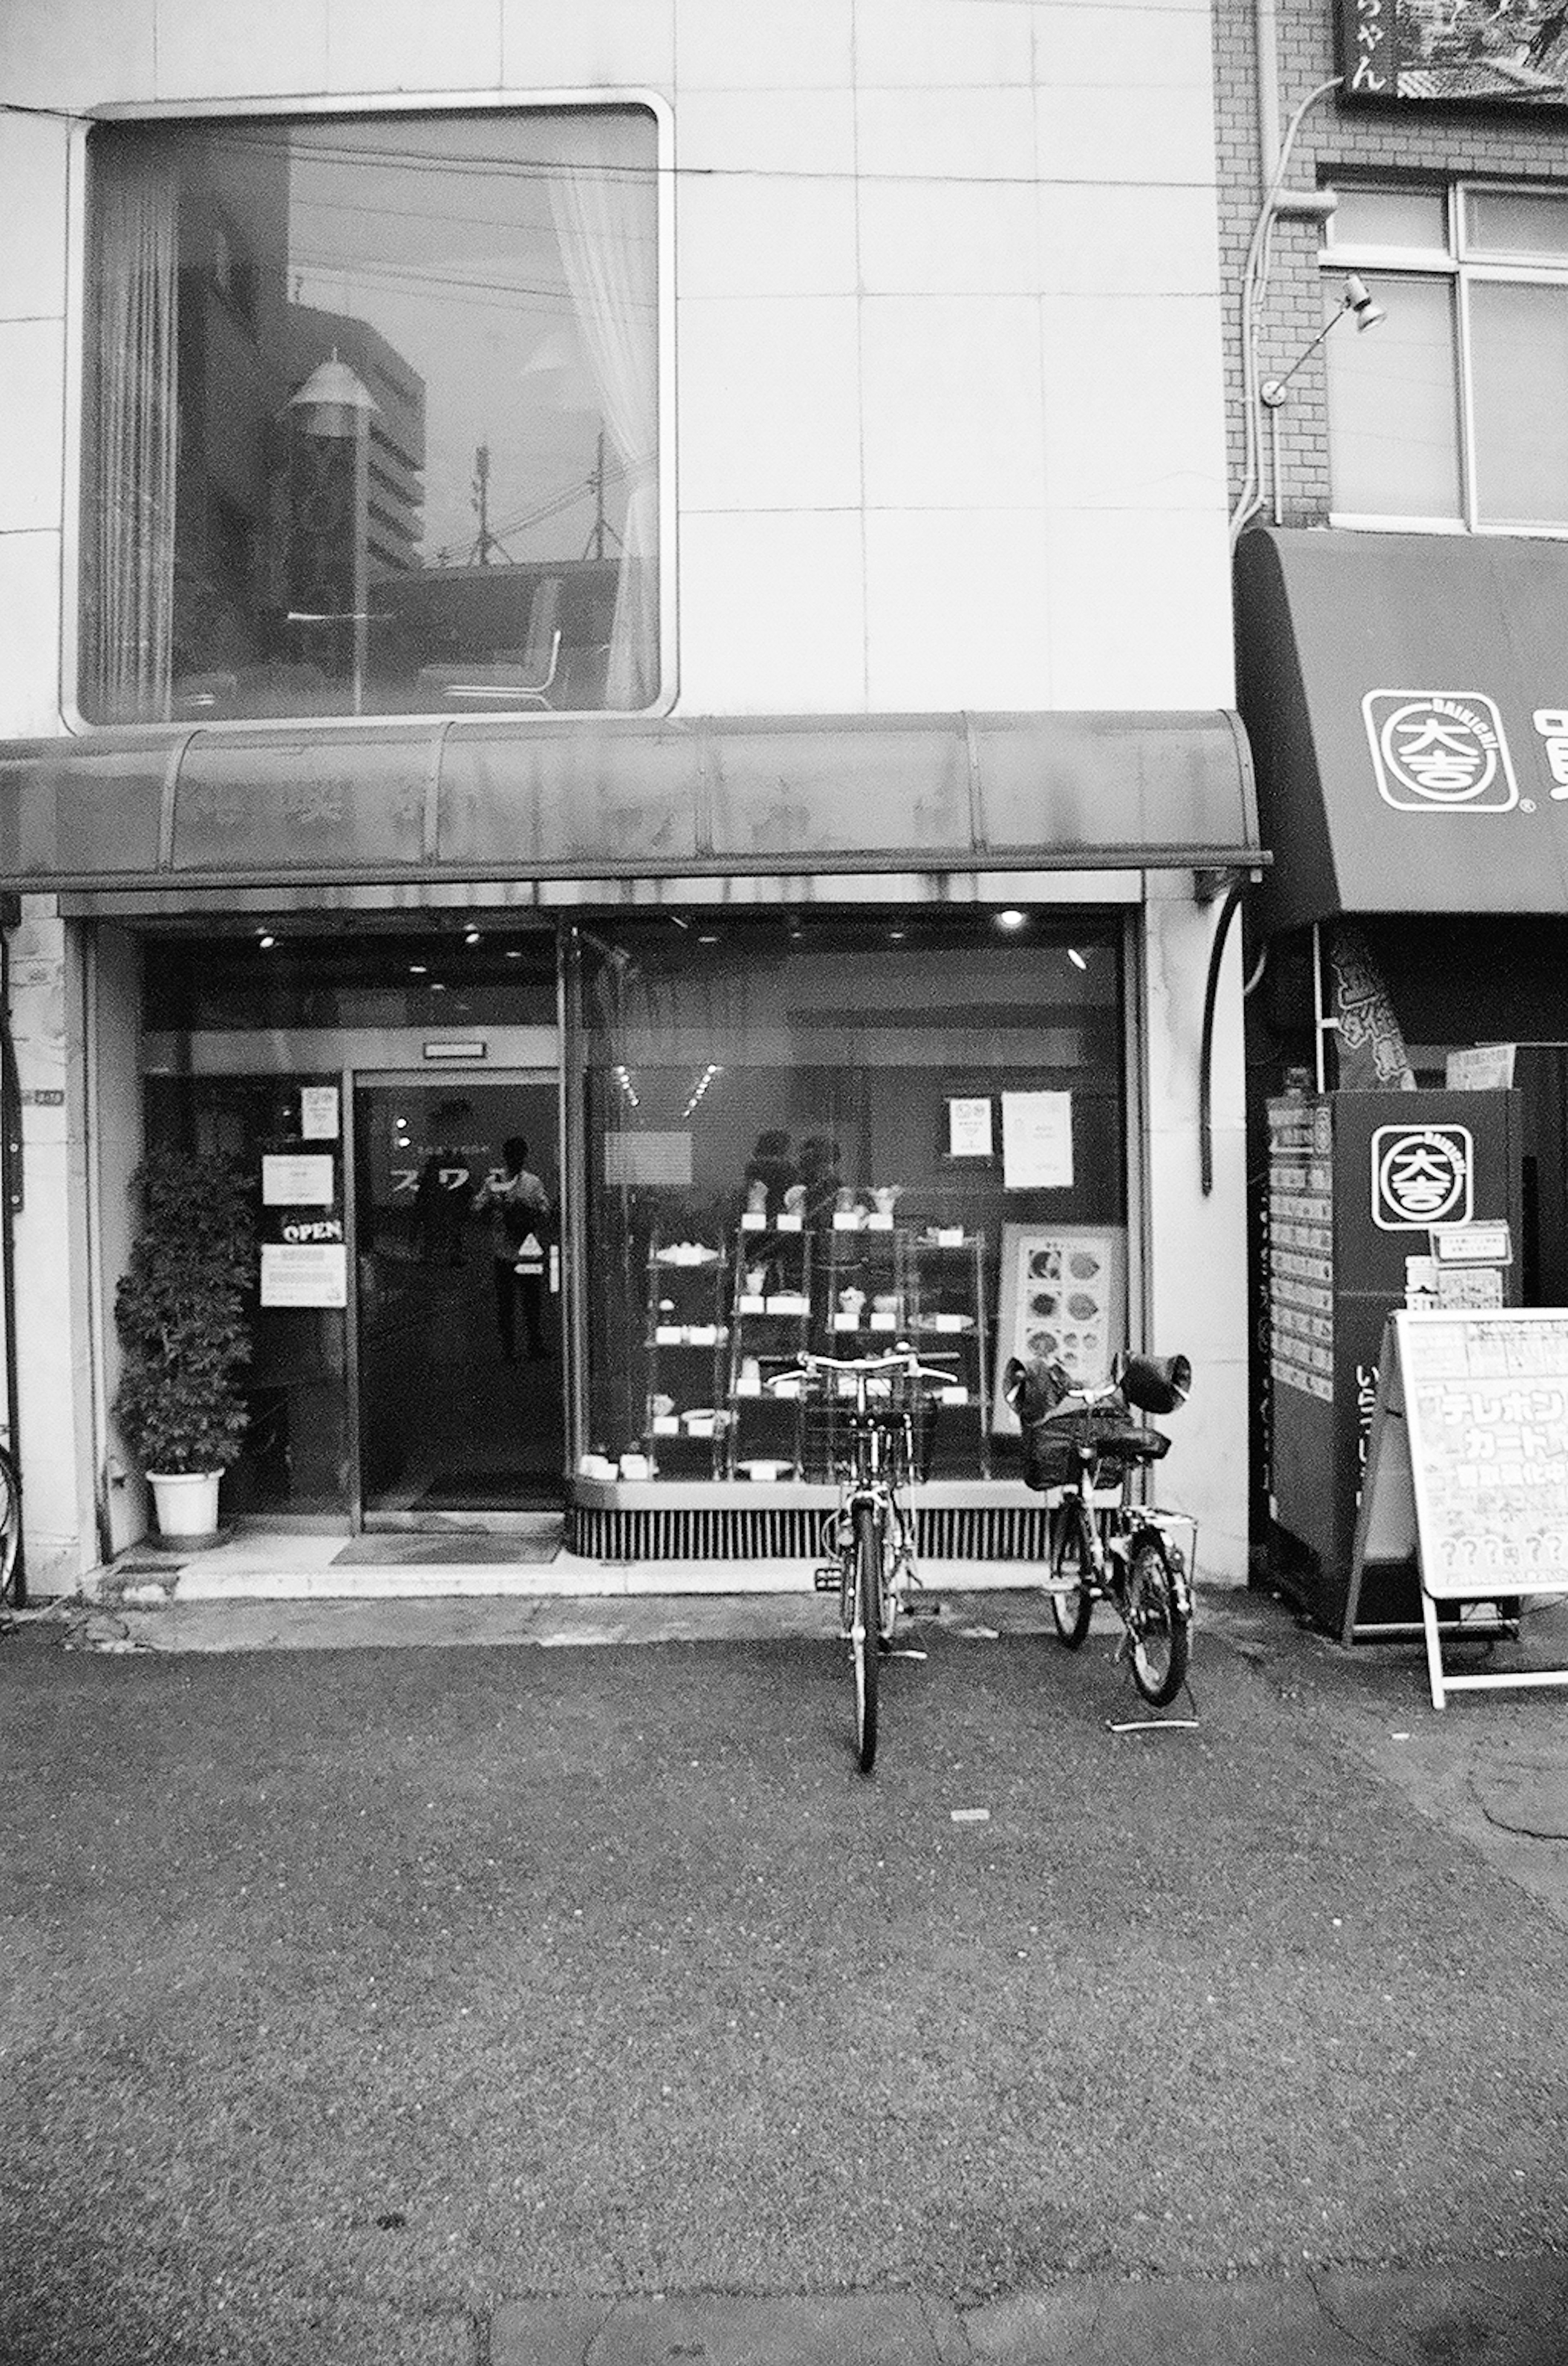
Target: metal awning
x=1406 y=699
x=478 y=800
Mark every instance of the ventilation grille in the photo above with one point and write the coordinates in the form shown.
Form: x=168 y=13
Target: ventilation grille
x=762 y=1532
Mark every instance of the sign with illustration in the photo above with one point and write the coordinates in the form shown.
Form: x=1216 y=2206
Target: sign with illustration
x=1421 y=1175
x=1473 y=51
x=1063 y=1299
x=1468 y=1463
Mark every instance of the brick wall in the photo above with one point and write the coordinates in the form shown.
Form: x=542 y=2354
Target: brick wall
x=1334 y=138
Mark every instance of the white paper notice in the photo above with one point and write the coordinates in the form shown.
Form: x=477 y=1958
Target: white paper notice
x=969 y=1128
x=1037 y=1142
x=318 y=1112
x=304 y=1275
x=293 y=1179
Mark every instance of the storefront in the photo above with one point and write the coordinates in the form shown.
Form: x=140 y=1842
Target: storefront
x=1406 y=699
x=819 y=1034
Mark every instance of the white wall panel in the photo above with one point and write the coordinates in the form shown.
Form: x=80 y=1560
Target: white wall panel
x=407 y=45
x=32 y=424
x=773 y=617
x=957 y=610
x=245 y=48
x=770 y=416
x=954 y=403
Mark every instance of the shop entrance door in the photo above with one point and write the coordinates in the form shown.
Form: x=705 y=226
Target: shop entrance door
x=461 y=1402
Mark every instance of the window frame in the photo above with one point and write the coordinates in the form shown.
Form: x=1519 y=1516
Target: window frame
x=1463 y=267
x=375 y=103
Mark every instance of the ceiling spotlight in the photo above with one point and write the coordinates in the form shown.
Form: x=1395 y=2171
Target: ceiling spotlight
x=265 y=943
x=471 y=936
x=417 y=969
x=1076 y=958
x=1010 y=919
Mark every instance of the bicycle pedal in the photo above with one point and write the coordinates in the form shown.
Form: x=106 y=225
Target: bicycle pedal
x=827 y=1581
x=923 y=1609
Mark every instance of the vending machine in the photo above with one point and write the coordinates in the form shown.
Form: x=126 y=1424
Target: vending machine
x=1358 y=1185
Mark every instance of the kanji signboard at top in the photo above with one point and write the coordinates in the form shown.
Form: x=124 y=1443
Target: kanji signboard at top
x=1470 y=50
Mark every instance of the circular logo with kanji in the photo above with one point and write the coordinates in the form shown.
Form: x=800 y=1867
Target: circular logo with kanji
x=1440 y=750
x=1421 y=1176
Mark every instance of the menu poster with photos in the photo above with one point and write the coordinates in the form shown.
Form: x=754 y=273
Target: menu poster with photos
x=1062 y=1299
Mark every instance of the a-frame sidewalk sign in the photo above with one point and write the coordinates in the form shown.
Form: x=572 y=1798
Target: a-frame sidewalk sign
x=1467 y=1468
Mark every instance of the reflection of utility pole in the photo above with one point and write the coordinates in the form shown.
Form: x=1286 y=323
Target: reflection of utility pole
x=601 y=526
x=484 y=541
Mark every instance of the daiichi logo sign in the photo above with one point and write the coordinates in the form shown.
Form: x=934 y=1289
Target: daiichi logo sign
x=1422 y=1174
x=1439 y=751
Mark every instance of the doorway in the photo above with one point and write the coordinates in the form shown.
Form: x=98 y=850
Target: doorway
x=459 y=1345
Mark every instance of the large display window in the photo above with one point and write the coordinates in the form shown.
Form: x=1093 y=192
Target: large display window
x=832 y=1135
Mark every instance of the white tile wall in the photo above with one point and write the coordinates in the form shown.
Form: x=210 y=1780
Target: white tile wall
x=1140 y=609
x=922 y=238
x=1097 y=135
x=1133 y=400
x=741 y=131
x=246 y=48
x=32 y=424
x=937 y=44
x=769 y=411
x=75 y=53
x=953 y=401
x=987 y=134
x=587 y=44
x=957 y=610
x=407 y=45
x=739 y=45
x=767 y=234
x=1128 y=240
x=1119 y=47
x=773 y=617
x=29 y=635
x=33 y=154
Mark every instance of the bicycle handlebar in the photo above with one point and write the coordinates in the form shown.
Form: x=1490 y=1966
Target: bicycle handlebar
x=905 y=1362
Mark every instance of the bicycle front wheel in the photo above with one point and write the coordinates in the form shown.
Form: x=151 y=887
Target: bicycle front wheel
x=10 y=1525
x=865 y=1640
x=1156 y=1622
x=1071 y=1598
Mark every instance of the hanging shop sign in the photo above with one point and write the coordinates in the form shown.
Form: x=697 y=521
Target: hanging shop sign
x=1468 y=54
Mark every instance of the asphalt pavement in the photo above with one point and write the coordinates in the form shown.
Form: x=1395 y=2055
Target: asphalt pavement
x=374 y=1999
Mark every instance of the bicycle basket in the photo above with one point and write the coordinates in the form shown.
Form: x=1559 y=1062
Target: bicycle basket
x=831 y=1436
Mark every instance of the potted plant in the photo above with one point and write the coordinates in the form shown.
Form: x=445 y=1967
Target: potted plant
x=179 y=1311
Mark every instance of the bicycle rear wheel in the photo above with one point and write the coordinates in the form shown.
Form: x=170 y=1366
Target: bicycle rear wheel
x=865 y=1639
x=1156 y=1623
x=1072 y=1599
x=10 y=1525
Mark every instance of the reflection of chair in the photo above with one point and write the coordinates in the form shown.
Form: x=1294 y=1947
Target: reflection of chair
x=516 y=677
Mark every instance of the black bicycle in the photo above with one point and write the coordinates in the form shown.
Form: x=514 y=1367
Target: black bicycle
x=1081 y=1444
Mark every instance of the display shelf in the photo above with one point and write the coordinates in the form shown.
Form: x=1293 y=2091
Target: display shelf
x=686 y=1347
x=770 y=1326
x=950 y=1332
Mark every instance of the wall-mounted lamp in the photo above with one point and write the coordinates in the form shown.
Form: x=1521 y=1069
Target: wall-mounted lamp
x=1360 y=306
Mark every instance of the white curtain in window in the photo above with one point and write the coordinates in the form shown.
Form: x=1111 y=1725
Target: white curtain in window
x=605 y=219
x=129 y=524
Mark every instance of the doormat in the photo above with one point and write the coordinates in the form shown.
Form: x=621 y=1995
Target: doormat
x=420 y=1549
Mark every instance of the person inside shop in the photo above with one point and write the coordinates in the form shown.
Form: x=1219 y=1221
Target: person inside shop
x=771 y=1171
x=518 y=1207
x=820 y=1162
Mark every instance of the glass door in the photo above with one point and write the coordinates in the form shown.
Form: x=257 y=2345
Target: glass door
x=461 y=1399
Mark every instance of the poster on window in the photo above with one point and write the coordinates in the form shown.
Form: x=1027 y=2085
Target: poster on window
x=303 y=1274
x=1037 y=1142
x=1473 y=51
x=1062 y=1299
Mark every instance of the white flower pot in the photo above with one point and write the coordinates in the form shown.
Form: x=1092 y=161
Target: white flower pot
x=186 y=1501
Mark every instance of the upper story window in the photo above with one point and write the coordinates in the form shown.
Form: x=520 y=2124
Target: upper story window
x=1454 y=413
x=371 y=417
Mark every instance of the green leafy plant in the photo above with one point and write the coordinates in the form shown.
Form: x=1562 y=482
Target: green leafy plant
x=179 y=1311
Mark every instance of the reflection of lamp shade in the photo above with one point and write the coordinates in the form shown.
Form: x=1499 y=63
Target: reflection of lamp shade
x=332 y=399
x=555 y=374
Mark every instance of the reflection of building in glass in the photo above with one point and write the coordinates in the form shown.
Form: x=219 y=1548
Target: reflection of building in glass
x=396 y=497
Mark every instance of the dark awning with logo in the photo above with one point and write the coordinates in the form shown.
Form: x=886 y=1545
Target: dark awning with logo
x=1403 y=695
x=475 y=800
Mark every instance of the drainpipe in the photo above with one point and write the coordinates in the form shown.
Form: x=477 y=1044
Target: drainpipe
x=10 y=1207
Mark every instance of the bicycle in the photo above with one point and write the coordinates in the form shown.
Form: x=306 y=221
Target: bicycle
x=12 y=1591
x=868 y=1540
x=1083 y=1442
